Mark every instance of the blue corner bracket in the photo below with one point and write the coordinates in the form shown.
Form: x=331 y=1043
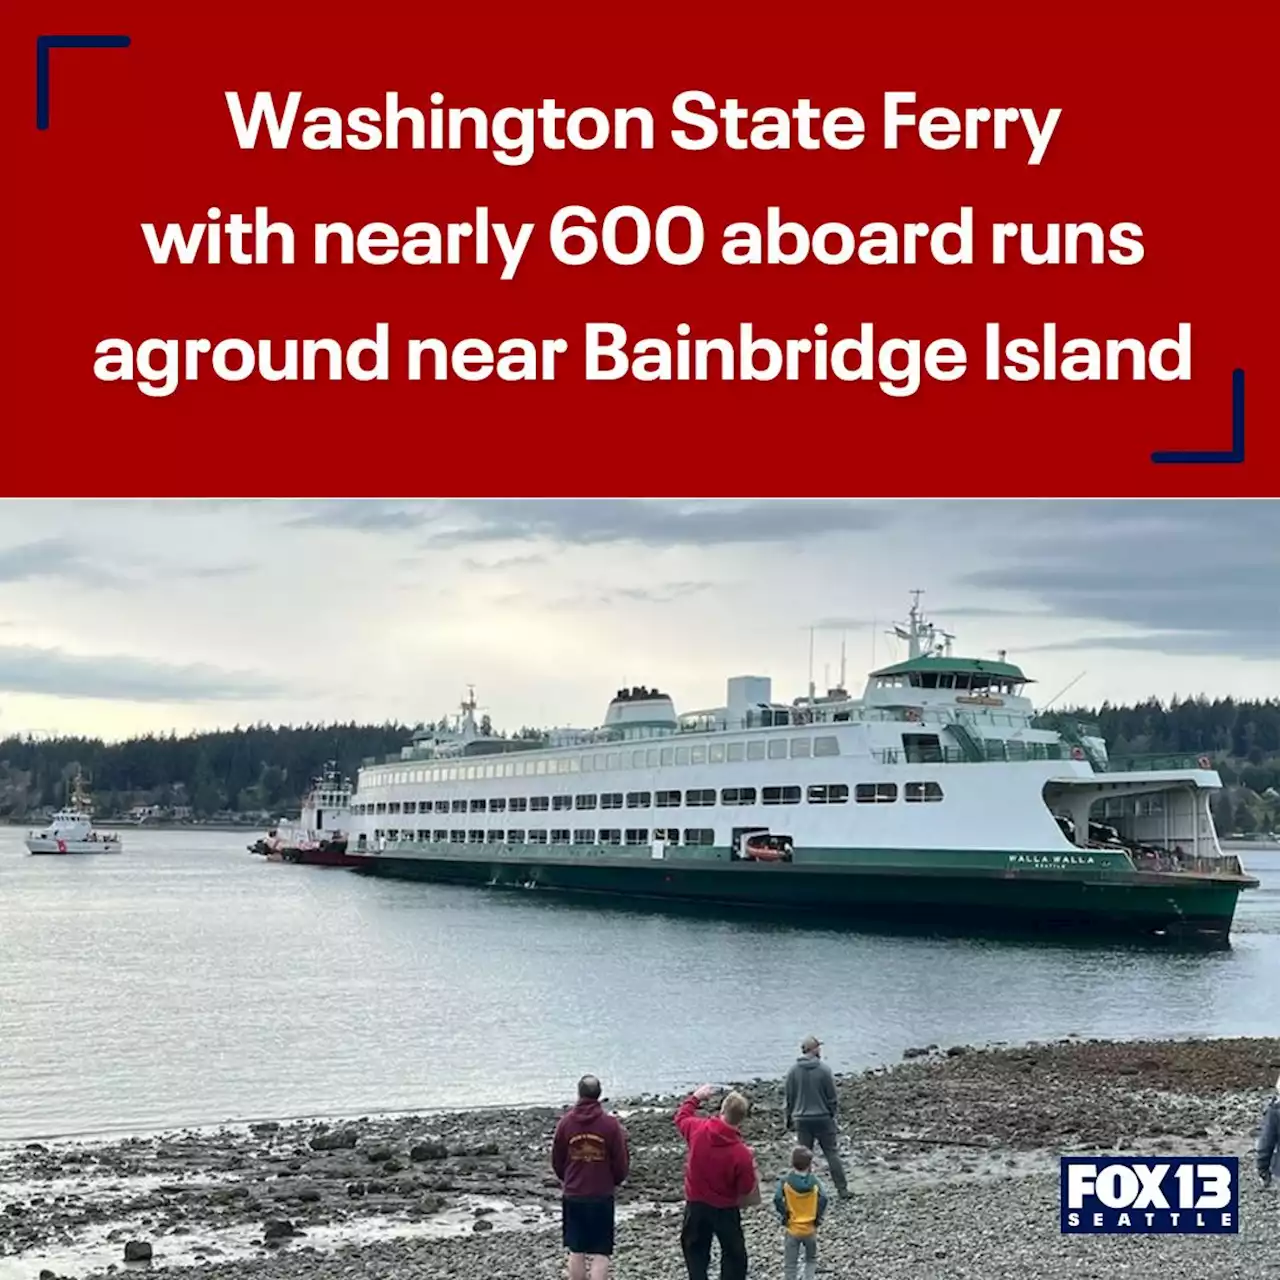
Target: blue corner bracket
x=1236 y=452
x=44 y=44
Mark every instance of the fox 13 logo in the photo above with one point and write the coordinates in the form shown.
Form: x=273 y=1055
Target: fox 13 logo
x=1127 y=1195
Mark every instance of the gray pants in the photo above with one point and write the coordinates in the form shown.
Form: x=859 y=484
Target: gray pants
x=791 y=1256
x=811 y=1131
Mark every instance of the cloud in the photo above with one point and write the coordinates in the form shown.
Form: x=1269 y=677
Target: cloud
x=1195 y=578
x=502 y=563
x=49 y=558
x=662 y=593
x=236 y=570
x=653 y=522
x=465 y=522
x=363 y=515
x=25 y=669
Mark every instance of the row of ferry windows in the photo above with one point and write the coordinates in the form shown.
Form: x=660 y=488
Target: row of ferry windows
x=778 y=748
x=705 y=798
x=557 y=835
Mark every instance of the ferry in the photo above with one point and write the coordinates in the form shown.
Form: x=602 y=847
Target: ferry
x=319 y=837
x=938 y=798
x=71 y=830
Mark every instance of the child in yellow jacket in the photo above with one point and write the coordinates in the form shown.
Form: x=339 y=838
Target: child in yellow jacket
x=801 y=1204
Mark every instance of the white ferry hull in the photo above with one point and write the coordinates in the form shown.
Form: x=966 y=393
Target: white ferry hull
x=44 y=844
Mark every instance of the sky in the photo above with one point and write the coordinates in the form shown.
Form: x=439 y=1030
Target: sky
x=125 y=617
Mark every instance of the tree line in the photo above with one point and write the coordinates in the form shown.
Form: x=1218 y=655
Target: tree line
x=267 y=767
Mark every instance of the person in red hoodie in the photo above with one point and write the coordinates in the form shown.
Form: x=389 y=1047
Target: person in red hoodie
x=590 y=1157
x=720 y=1179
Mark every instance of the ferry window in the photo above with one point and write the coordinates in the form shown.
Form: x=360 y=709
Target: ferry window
x=457 y=837
x=922 y=748
x=600 y=763
x=382 y=808
x=638 y=799
x=637 y=759
x=537 y=837
x=495 y=836
x=539 y=804
x=540 y=767
x=517 y=804
x=828 y=746
x=477 y=806
x=700 y=799
x=570 y=765
x=440 y=837
x=1016 y=748
x=586 y=764
x=801 y=748
x=834 y=793
x=755 y=750
x=777 y=749
x=637 y=835
x=583 y=802
x=738 y=795
x=611 y=800
x=682 y=755
x=611 y=761
x=875 y=792
x=611 y=835
x=393 y=834
x=475 y=837
x=735 y=753
x=508 y=769
x=515 y=836
x=667 y=799
x=378 y=833
x=423 y=836
x=715 y=753
x=668 y=755
x=497 y=805
x=458 y=806
x=584 y=835
x=562 y=802
x=393 y=807
x=442 y=806
x=697 y=755
x=922 y=792
x=559 y=835
x=699 y=836
x=410 y=806
x=651 y=758
x=669 y=835
x=781 y=795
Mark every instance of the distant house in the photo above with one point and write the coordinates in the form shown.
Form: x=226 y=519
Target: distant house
x=145 y=812
x=181 y=813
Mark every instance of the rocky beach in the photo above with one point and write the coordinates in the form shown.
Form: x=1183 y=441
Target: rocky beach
x=952 y=1154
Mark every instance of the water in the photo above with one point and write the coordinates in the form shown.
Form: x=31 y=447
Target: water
x=187 y=982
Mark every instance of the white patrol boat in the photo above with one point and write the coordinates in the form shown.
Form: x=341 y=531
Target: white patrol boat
x=71 y=830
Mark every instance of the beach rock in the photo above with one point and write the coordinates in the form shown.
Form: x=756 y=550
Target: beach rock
x=278 y=1229
x=338 y=1140
x=428 y=1149
x=264 y=1127
x=378 y=1154
x=138 y=1251
x=482 y=1224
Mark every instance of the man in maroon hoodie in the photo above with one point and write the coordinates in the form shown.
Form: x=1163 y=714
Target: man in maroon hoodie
x=720 y=1179
x=590 y=1157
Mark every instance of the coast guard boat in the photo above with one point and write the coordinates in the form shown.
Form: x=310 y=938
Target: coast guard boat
x=71 y=830
x=938 y=796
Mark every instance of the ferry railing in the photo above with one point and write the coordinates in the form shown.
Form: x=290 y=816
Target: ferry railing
x=1150 y=763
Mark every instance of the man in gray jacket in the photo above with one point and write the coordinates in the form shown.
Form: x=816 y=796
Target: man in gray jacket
x=1268 y=1147
x=811 y=1106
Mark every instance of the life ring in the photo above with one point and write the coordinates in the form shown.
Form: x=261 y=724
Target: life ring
x=1077 y=753
x=1204 y=762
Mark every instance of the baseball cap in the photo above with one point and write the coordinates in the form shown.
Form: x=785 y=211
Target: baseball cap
x=810 y=1043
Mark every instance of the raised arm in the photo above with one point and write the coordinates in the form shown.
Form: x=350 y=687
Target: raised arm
x=687 y=1113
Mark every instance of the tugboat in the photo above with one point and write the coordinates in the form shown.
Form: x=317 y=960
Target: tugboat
x=71 y=830
x=319 y=837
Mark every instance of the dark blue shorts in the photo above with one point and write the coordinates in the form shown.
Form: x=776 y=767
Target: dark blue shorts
x=588 y=1224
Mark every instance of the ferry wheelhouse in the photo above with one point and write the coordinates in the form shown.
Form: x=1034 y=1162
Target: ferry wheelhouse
x=939 y=795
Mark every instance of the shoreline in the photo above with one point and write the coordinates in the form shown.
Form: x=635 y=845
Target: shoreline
x=952 y=1150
